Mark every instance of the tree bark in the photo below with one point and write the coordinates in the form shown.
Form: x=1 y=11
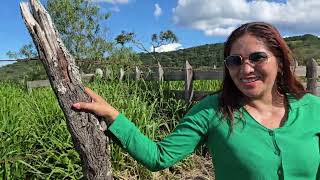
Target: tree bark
x=90 y=142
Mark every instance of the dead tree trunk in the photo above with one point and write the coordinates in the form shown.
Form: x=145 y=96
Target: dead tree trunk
x=64 y=77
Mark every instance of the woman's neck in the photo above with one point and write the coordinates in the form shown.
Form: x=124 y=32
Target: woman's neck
x=273 y=100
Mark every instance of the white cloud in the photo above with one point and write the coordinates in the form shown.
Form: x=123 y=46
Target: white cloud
x=216 y=17
x=168 y=47
x=157 y=11
x=113 y=1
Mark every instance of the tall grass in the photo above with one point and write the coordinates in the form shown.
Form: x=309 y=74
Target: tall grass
x=35 y=142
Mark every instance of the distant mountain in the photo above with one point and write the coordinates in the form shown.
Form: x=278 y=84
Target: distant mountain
x=200 y=57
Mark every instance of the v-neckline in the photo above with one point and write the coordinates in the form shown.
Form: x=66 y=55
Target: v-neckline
x=292 y=104
x=256 y=122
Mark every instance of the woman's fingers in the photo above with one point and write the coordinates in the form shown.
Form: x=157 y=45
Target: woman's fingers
x=92 y=94
x=83 y=106
x=99 y=106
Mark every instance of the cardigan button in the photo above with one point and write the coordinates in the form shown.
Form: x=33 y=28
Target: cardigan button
x=279 y=172
x=271 y=133
x=277 y=153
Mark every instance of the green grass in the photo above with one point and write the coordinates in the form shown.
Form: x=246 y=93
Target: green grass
x=35 y=142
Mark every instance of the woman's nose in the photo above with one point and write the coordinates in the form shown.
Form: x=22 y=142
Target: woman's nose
x=246 y=68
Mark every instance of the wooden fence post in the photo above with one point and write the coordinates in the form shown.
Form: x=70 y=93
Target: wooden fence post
x=138 y=73
x=108 y=74
x=188 y=86
x=160 y=72
x=121 y=74
x=98 y=74
x=312 y=76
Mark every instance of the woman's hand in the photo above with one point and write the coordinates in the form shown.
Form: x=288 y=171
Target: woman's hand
x=98 y=106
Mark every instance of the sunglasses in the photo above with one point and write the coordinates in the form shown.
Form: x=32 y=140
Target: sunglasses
x=235 y=61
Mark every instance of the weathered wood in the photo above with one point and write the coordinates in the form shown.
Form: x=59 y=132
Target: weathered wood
x=98 y=73
x=160 y=72
x=197 y=75
x=35 y=84
x=312 y=76
x=167 y=76
x=138 y=73
x=64 y=77
x=121 y=74
x=301 y=71
x=46 y=83
x=108 y=74
x=188 y=86
x=174 y=76
x=87 y=77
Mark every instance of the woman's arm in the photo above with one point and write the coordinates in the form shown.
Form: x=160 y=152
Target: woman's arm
x=188 y=134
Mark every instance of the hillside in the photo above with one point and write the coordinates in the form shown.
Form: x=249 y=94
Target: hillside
x=199 y=56
x=304 y=47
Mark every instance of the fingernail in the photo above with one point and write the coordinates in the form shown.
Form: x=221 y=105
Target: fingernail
x=76 y=105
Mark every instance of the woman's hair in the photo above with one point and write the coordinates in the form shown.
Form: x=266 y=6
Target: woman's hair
x=231 y=96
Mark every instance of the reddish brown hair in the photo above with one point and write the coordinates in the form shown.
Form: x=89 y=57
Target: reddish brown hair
x=231 y=96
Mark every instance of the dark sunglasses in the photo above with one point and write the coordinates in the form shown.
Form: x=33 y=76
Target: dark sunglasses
x=234 y=61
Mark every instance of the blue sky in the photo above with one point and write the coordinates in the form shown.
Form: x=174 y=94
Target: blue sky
x=195 y=22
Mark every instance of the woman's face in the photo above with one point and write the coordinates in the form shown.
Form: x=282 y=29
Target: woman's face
x=254 y=80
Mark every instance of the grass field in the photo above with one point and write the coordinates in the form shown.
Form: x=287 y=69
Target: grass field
x=35 y=142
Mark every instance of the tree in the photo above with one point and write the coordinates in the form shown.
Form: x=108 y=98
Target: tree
x=164 y=37
x=27 y=51
x=157 y=40
x=80 y=24
x=125 y=37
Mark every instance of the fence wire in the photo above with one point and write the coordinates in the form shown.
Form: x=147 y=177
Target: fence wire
x=127 y=67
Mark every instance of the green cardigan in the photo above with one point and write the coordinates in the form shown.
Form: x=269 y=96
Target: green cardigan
x=250 y=152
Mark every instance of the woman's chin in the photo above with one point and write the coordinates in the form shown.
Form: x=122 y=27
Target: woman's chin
x=254 y=94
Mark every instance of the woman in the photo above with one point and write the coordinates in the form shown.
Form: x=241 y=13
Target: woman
x=260 y=125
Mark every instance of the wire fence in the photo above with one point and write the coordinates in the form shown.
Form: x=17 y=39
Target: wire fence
x=309 y=75
x=105 y=62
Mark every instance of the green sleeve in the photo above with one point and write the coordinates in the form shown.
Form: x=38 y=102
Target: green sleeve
x=189 y=133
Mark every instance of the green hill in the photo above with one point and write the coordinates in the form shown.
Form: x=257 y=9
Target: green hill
x=204 y=56
x=304 y=48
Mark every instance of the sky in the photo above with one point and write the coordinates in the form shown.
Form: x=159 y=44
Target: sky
x=195 y=22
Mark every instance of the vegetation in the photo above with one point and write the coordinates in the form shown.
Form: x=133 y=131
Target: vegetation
x=20 y=72
x=305 y=47
x=27 y=51
x=200 y=56
x=79 y=23
x=35 y=143
x=157 y=40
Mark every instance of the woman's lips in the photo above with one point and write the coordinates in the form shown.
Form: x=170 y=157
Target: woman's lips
x=249 y=82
